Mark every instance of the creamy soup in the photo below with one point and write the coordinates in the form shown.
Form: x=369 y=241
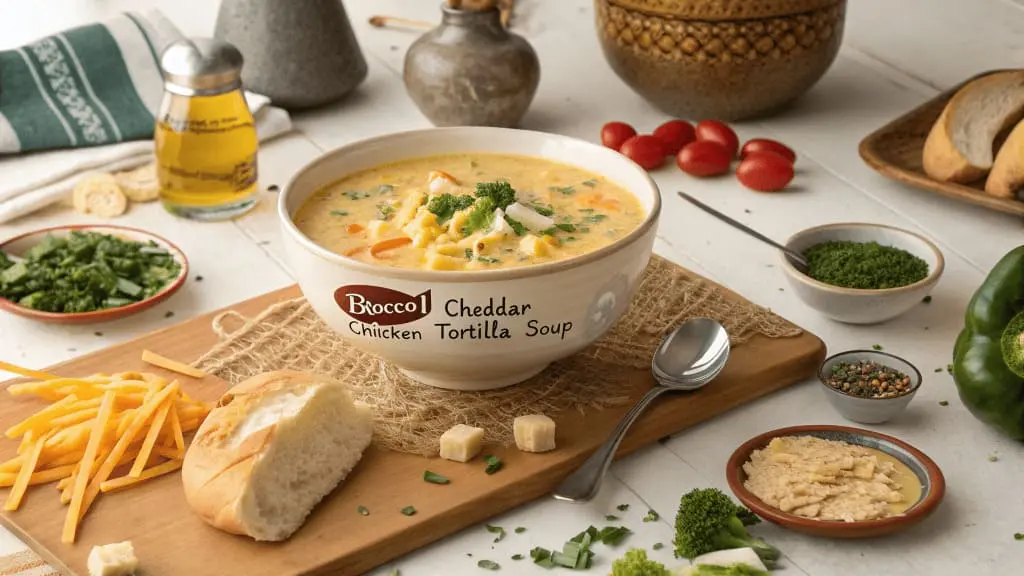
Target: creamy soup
x=469 y=212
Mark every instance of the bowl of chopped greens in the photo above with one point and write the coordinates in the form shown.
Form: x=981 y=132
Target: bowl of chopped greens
x=862 y=273
x=85 y=274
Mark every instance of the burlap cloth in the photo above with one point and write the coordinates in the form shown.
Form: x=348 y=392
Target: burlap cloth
x=411 y=416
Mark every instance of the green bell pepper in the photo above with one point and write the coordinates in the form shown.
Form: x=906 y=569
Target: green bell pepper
x=988 y=357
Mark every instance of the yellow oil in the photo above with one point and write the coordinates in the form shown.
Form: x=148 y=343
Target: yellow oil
x=205 y=150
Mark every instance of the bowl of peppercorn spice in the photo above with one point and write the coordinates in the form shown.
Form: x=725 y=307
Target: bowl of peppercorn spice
x=869 y=386
x=860 y=273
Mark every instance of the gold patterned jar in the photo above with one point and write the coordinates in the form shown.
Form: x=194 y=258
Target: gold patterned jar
x=723 y=59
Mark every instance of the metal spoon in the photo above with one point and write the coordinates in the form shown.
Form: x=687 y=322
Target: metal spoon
x=687 y=359
x=795 y=256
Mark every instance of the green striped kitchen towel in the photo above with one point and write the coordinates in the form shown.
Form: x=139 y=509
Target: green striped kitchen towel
x=93 y=85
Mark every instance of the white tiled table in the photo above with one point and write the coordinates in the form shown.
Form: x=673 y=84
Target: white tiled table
x=895 y=55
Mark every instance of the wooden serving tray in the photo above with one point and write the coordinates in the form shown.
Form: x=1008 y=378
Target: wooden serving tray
x=894 y=150
x=169 y=540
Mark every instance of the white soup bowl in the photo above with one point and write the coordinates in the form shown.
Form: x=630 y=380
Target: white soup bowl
x=471 y=330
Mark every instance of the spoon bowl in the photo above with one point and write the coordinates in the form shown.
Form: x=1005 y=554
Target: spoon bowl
x=687 y=359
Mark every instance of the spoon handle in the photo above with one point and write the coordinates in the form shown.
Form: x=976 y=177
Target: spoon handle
x=582 y=485
x=744 y=228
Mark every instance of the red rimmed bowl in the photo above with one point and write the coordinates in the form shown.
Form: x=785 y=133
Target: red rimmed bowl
x=933 y=483
x=19 y=244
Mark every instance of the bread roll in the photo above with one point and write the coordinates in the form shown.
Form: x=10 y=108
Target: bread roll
x=270 y=451
x=959 y=145
x=1007 y=175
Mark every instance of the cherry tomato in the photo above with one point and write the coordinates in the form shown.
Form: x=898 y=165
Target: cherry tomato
x=766 y=145
x=645 y=150
x=675 y=134
x=615 y=134
x=704 y=158
x=765 y=171
x=720 y=132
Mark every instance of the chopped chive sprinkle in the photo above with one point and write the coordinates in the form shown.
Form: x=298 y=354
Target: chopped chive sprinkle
x=595 y=218
x=339 y=212
x=927 y=299
x=652 y=516
x=520 y=529
x=517 y=556
x=611 y=517
x=409 y=510
x=591 y=183
x=622 y=507
x=363 y=510
x=434 y=478
x=566 y=190
x=876 y=346
x=493 y=463
x=938 y=370
x=658 y=546
x=993 y=458
x=943 y=403
x=488 y=565
x=496 y=530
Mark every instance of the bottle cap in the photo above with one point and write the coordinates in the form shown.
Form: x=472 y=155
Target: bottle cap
x=201 y=66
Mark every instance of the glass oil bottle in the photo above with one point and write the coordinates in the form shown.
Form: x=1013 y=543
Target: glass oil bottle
x=205 y=136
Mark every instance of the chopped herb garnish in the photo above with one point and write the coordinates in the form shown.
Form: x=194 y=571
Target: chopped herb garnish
x=408 y=510
x=993 y=458
x=520 y=529
x=613 y=535
x=585 y=210
x=542 y=209
x=517 y=557
x=591 y=183
x=493 y=463
x=1018 y=536
x=571 y=239
x=927 y=299
x=595 y=218
x=658 y=546
x=943 y=403
x=566 y=227
x=199 y=278
x=395 y=572
x=86 y=272
x=273 y=188
x=876 y=346
x=339 y=212
x=949 y=368
x=488 y=259
x=433 y=478
x=488 y=565
x=469 y=253
x=500 y=192
x=652 y=516
x=622 y=507
x=385 y=211
x=384 y=188
x=496 y=530
x=97 y=333
x=516 y=225
x=611 y=517
x=542 y=557
x=937 y=370
x=566 y=190
x=549 y=231
x=168 y=314
x=363 y=510
x=355 y=194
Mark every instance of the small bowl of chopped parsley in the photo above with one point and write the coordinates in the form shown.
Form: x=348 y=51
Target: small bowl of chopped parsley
x=87 y=274
x=862 y=273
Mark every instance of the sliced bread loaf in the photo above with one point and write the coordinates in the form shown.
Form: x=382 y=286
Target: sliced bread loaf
x=272 y=449
x=1007 y=175
x=959 y=147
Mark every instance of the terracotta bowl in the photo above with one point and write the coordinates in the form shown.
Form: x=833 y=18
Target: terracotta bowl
x=933 y=483
x=19 y=244
x=728 y=60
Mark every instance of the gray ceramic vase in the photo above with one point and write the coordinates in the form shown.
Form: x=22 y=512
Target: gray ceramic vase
x=471 y=71
x=299 y=53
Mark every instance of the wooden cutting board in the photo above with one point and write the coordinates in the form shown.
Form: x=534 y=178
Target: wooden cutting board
x=336 y=539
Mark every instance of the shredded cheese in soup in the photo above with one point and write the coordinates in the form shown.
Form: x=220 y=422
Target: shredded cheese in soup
x=469 y=212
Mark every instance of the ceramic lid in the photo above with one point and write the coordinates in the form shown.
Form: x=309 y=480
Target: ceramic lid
x=201 y=66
